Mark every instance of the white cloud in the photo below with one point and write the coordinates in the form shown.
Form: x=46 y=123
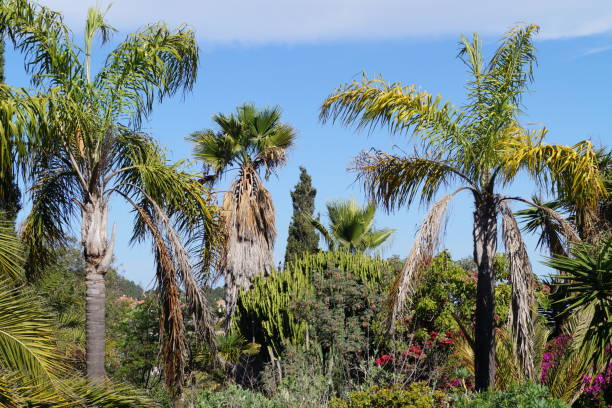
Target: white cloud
x=299 y=21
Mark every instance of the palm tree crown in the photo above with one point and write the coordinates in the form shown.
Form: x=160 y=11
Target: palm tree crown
x=351 y=227
x=481 y=147
x=251 y=141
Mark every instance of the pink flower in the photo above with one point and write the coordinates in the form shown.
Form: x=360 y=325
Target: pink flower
x=455 y=382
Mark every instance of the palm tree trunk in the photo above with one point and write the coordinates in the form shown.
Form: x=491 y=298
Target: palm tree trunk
x=485 y=247
x=97 y=252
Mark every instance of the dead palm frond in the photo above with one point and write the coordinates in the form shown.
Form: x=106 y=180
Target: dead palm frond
x=425 y=245
x=523 y=292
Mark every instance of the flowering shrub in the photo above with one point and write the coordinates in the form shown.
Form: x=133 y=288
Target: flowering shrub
x=419 y=360
x=597 y=390
x=554 y=349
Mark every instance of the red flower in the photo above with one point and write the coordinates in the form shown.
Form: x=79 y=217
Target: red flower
x=447 y=341
x=416 y=349
x=382 y=360
x=433 y=335
x=449 y=334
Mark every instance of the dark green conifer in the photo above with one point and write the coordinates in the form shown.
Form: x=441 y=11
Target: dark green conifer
x=302 y=236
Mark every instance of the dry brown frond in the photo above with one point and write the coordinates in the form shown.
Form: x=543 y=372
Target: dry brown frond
x=423 y=250
x=171 y=319
x=249 y=220
x=523 y=292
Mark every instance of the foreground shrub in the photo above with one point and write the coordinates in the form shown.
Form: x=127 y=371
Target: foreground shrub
x=418 y=395
x=526 y=396
x=235 y=397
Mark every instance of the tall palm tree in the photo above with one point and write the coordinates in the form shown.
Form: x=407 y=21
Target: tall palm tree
x=351 y=227
x=251 y=141
x=482 y=147
x=90 y=151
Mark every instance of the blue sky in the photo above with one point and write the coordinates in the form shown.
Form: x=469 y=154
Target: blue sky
x=294 y=53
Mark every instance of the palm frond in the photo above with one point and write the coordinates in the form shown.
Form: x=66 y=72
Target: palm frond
x=11 y=253
x=41 y=35
x=587 y=278
x=373 y=102
x=217 y=150
x=425 y=244
x=327 y=236
x=394 y=181
x=147 y=67
x=26 y=336
x=570 y=171
x=523 y=290
x=53 y=205
x=536 y=220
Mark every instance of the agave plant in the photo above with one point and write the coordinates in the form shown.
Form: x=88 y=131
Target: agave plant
x=587 y=278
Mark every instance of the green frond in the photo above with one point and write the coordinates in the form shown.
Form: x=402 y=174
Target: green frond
x=327 y=236
x=47 y=225
x=143 y=174
x=11 y=253
x=251 y=137
x=395 y=181
x=377 y=238
x=41 y=35
x=537 y=221
x=26 y=336
x=218 y=151
x=147 y=67
x=373 y=102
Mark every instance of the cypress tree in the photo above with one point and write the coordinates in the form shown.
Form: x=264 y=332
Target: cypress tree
x=302 y=236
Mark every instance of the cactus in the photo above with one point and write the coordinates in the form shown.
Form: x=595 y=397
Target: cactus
x=268 y=301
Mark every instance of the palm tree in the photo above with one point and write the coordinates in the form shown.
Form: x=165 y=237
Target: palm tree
x=351 y=227
x=481 y=146
x=252 y=141
x=90 y=151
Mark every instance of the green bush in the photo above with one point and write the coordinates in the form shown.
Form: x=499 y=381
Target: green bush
x=526 y=396
x=235 y=397
x=418 y=395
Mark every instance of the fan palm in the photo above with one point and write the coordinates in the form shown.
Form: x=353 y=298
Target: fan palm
x=90 y=151
x=481 y=147
x=351 y=227
x=252 y=141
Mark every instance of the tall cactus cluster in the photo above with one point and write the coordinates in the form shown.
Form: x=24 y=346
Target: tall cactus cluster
x=268 y=302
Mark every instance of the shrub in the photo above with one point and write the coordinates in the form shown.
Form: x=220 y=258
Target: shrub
x=235 y=397
x=418 y=395
x=526 y=396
